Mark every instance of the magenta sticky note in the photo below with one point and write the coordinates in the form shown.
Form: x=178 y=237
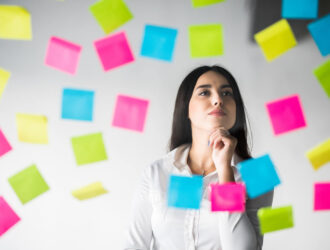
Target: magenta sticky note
x=322 y=196
x=8 y=217
x=62 y=55
x=4 y=144
x=130 y=113
x=286 y=114
x=227 y=197
x=114 y=51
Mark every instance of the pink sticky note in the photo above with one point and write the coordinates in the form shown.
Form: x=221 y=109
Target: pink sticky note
x=286 y=114
x=8 y=217
x=130 y=113
x=227 y=197
x=322 y=196
x=4 y=144
x=63 y=55
x=114 y=51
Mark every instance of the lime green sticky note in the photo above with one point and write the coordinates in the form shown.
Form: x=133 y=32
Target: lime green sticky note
x=110 y=14
x=89 y=191
x=319 y=155
x=32 y=128
x=202 y=3
x=89 y=148
x=15 y=23
x=276 y=39
x=206 y=40
x=273 y=219
x=4 y=76
x=28 y=184
x=322 y=74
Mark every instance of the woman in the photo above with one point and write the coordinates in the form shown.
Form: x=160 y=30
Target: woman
x=208 y=139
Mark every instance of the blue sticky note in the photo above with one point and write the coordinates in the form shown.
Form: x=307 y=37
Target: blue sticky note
x=320 y=31
x=259 y=175
x=300 y=9
x=158 y=42
x=185 y=192
x=77 y=104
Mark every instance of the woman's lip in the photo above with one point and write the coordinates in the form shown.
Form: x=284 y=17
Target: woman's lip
x=217 y=113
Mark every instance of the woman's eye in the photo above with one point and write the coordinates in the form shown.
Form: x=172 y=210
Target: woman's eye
x=203 y=93
x=227 y=93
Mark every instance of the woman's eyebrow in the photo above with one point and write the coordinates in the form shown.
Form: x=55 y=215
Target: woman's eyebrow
x=207 y=86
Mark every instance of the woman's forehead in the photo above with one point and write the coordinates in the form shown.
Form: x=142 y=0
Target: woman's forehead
x=212 y=79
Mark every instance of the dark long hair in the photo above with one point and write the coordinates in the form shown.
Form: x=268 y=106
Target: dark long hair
x=181 y=127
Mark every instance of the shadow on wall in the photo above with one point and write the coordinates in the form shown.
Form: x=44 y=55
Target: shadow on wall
x=267 y=12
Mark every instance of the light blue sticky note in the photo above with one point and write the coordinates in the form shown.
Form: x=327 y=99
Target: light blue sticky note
x=158 y=42
x=185 y=192
x=259 y=175
x=300 y=9
x=320 y=32
x=77 y=104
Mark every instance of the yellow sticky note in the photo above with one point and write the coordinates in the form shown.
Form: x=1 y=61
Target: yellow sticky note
x=319 y=155
x=15 y=23
x=32 y=128
x=89 y=191
x=276 y=39
x=4 y=76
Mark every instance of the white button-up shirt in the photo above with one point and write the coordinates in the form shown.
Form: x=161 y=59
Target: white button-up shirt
x=156 y=226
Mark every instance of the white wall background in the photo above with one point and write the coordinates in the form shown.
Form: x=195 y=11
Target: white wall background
x=56 y=220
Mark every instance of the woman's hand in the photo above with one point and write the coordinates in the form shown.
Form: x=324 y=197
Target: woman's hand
x=223 y=146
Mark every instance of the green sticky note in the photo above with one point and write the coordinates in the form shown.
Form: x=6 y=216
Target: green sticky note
x=273 y=219
x=202 y=3
x=206 y=40
x=15 y=23
x=90 y=191
x=4 y=76
x=28 y=184
x=110 y=14
x=322 y=74
x=89 y=148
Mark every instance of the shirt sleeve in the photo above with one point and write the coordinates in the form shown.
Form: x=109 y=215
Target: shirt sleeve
x=240 y=231
x=139 y=233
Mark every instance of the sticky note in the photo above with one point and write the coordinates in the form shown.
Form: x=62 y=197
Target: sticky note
x=63 y=55
x=320 y=32
x=206 y=40
x=259 y=175
x=322 y=74
x=4 y=77
x=185 y=192
x=4 y=144
x=322 y=196
x=299 y=9
x=28 y=184
x=8 y=217
x=286 y=114
x=202 y=3
x=276 y=39
x=130 y=113
x=158 y=42
x=32 y=128
x=273 y=219
x=89 y=148
x=15 y=23
x=77 y=104
x=110 y=14
x=114 y=51
x=227 y=197
x=319 y=155
x=89 y=191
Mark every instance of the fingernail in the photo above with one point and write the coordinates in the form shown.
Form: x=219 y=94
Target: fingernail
x=208 y=143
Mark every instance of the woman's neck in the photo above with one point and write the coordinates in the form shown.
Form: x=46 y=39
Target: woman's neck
x=200 y=154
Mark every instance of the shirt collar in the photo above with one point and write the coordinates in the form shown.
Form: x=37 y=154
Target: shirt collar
x=180 y=156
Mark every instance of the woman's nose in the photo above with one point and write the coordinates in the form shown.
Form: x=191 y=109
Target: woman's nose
x=217 y=101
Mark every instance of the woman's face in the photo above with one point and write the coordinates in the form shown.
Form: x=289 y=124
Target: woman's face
x=212 y=103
